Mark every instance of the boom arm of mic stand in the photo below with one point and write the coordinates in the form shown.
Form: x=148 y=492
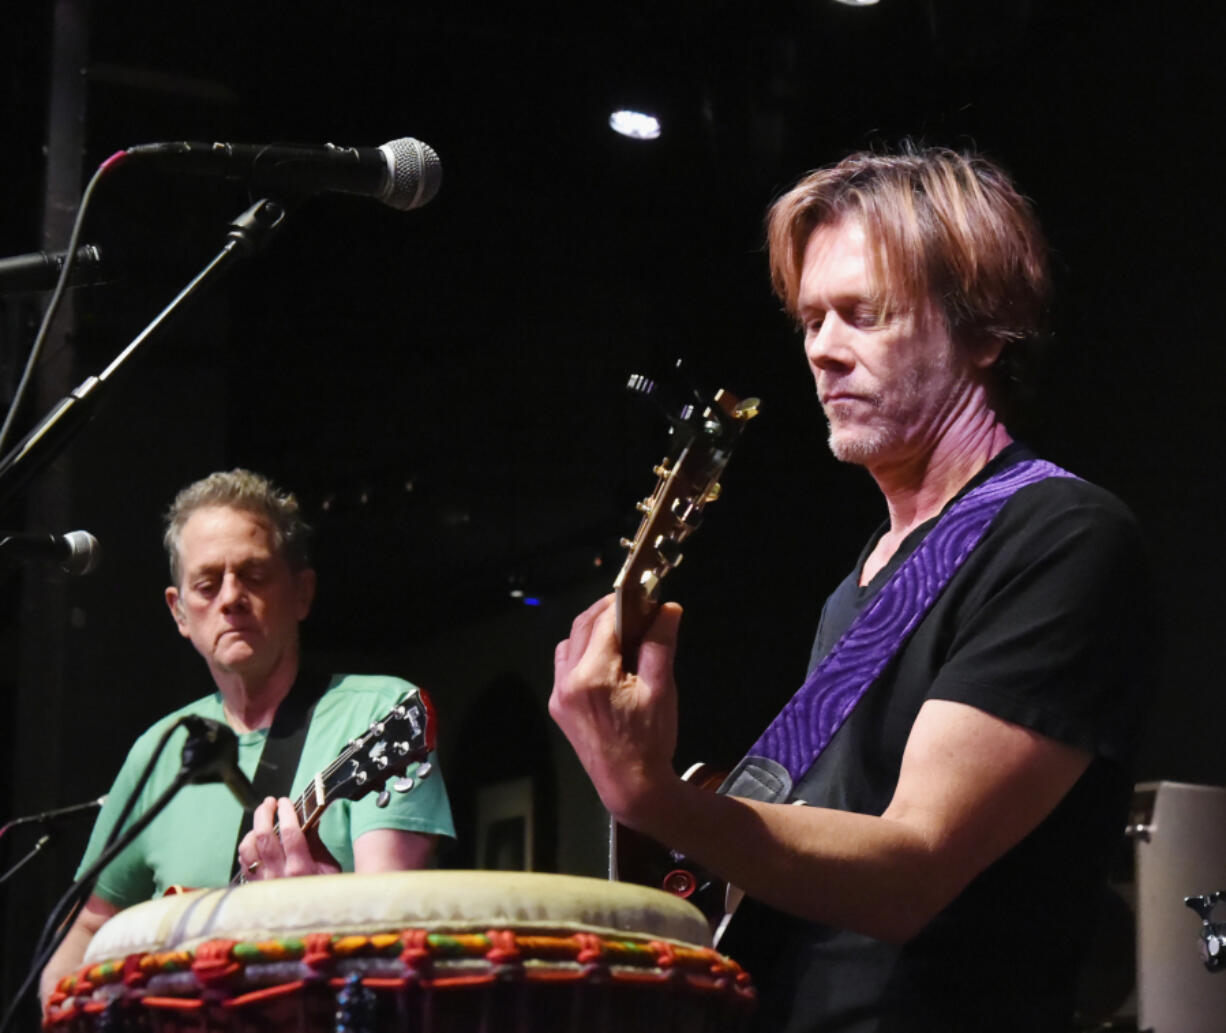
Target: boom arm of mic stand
x=247 y=234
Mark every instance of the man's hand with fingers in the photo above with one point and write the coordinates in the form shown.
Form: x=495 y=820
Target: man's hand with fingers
x=623 y=726
x=277 y=847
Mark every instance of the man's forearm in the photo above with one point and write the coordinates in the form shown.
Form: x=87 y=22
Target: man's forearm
x=854 y=871
x=71 y=953
x=970 y=788
x=64 y=961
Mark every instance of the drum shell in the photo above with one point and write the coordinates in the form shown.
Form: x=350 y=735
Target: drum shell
x=607 y=957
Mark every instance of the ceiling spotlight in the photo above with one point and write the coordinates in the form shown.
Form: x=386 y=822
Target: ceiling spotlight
x=856 y=3
x=635 y=124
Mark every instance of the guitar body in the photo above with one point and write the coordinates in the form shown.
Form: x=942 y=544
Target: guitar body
x=634 y=857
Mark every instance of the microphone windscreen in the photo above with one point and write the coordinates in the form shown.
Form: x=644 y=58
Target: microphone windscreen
x=83 y=552
x=416 y=173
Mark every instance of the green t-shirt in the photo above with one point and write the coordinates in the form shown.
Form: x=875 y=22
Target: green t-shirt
x=191 y=843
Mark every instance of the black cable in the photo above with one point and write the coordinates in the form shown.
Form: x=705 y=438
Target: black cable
x=85 y=884
x=59 y=921
x=140 y=784
x=70 y=261
x=54 y=920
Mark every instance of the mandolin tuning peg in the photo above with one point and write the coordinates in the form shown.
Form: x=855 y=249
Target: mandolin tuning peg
x=424 y=769
x=383 y=799
x=403 y=784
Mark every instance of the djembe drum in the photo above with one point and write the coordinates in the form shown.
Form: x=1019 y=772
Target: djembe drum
x=427 y=952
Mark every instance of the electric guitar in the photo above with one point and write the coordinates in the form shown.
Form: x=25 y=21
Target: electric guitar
x=702 y=438
x=376 y=759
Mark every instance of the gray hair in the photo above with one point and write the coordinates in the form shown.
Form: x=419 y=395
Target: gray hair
x=247 y=491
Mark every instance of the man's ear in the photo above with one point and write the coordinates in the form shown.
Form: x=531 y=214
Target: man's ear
x=304 y=582
x=175 y=604
x=986 y=351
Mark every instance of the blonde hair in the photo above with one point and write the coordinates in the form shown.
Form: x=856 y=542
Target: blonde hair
x=944 y=228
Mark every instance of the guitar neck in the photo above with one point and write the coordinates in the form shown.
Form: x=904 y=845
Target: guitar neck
x=310 y=806
x=687 y=480
x=404 y=735
x=634 y=611
x=308 y=809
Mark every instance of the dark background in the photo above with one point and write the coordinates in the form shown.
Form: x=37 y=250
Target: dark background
x=443 y=388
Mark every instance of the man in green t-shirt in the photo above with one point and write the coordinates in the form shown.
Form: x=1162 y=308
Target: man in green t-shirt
x=241 y=582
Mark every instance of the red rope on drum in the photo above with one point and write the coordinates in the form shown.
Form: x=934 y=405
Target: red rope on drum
x=214 y=964
x=424 y=957
x=267 y=993
x=317 y=954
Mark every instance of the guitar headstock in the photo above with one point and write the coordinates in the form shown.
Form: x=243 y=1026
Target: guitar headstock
x=404 y=735
x=703 y=434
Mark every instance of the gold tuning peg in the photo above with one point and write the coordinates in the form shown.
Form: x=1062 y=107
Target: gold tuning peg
x=747 y=409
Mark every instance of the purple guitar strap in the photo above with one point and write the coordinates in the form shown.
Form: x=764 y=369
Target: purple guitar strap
x=802 y=730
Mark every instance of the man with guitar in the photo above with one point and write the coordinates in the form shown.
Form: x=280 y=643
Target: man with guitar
x=962 y=746
x=241 y=584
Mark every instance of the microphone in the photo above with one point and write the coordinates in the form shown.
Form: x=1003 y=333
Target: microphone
x=77 y=552
x=403 y=173
x=40 y=270
x=211 y=754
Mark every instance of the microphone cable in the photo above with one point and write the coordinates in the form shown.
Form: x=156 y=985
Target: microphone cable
x=70 y=261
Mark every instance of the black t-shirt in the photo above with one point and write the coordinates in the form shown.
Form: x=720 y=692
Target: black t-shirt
x=1047 y=624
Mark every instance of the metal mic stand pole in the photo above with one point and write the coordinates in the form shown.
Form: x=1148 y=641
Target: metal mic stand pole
x=37 y=849
x=247 y=235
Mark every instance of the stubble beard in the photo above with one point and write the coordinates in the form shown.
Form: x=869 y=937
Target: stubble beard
x=865 y=444
x=860 y=445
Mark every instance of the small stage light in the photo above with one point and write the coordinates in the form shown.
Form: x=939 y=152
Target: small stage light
x=635 y=124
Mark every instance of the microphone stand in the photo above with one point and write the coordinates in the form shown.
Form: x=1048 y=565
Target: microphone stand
x=247 y=234
x=48 y=820
x=43 y=840
x=204 y=755
x=48 y=817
